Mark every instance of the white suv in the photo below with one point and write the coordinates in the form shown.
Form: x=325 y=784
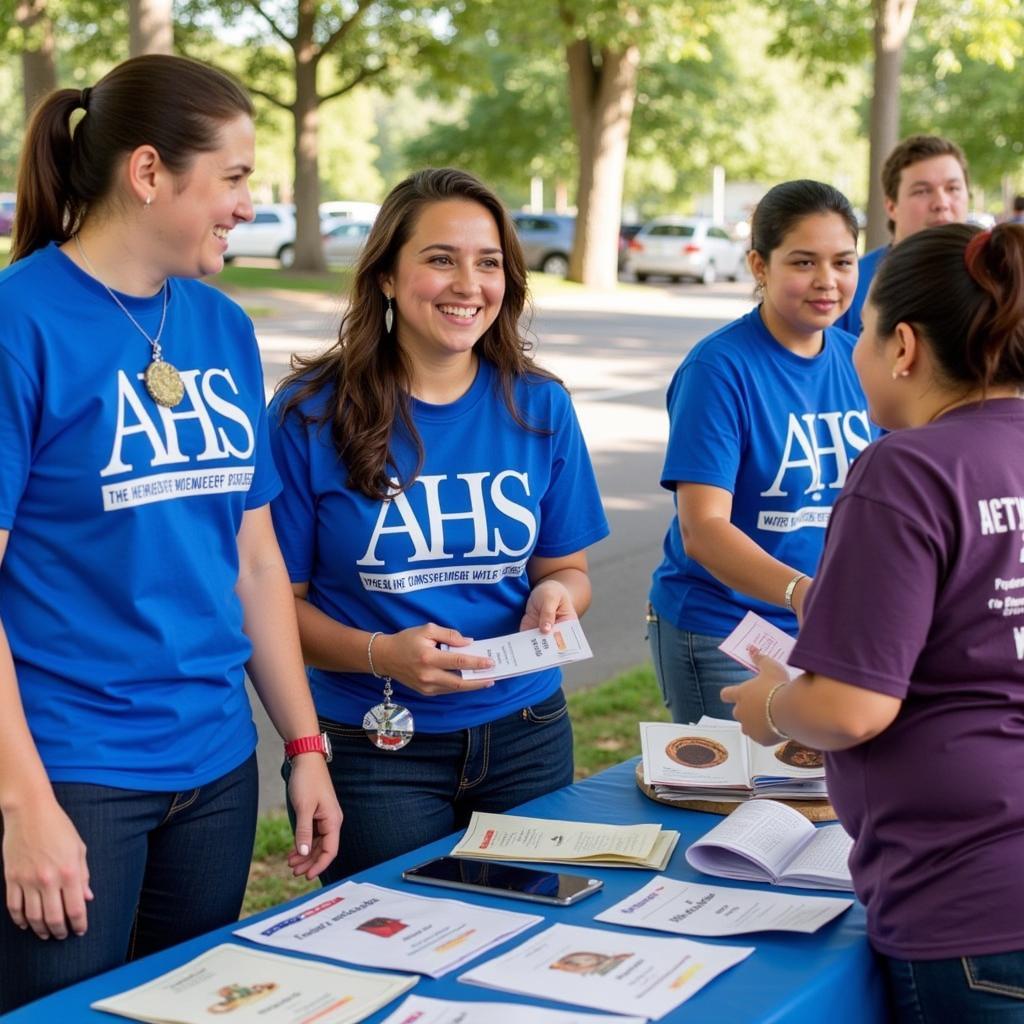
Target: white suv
x=678 y=247
x=271 y=233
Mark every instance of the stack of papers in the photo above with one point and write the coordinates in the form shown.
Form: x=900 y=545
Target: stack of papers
x=713 y=760
x=615 y=972
x=508 y=837
x=362 y=923
x=246 y=986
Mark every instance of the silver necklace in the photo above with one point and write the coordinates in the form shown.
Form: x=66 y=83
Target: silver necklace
x=163 y=382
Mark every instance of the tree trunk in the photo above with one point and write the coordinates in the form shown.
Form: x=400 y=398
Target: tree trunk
x=892 y=24
x=38 y=68
x=309 y=250
x=150 y=27
x=601 y=99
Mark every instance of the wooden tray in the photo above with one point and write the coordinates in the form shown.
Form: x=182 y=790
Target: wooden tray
x=815 y=810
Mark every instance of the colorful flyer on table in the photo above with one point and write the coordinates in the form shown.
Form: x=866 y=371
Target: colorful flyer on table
x=753 y=631
x=529 y=651
x=692 y=908
x=367 y=924
x=423 y=1010
x=616 y=972
x=246 y=986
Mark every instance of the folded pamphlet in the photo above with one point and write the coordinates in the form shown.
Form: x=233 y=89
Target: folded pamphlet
x=529 y=651
x=753 y=631
x=765 y=841
x=511 y=837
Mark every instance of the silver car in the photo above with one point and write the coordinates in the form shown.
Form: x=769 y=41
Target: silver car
x=690 y=247
x=344 y=240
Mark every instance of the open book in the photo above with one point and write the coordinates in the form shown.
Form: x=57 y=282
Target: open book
x=765 y=841
x=713 y=760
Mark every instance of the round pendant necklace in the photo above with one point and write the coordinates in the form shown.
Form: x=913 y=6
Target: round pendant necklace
x=388 y=726
x=163 y=382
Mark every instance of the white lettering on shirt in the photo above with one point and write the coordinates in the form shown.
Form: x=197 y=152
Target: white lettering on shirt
x=1001 y=515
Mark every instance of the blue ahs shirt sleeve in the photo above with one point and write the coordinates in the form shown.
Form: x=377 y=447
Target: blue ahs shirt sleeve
x=266 y=482
x=572 y=516
x=19 y=410
x=707 y=428
x=294 y=508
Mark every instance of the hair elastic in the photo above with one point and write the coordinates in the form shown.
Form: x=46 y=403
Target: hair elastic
x=974 y=247
x=83 y=97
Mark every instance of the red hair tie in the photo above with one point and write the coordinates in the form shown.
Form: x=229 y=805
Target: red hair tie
x=974 y=247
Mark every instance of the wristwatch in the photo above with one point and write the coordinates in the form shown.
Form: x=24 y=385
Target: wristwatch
x=309 y=745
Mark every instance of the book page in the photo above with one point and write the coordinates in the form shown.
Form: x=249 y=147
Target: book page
x=753 y=631
x=705 y=755
x=530 y=651
x=692 y=908
x=510 y=837
x=247 y=986
x=826 y=858
x=425 y=1010
x=366 y=924
x=786 y=759
x=617 y=972
x=764 y=832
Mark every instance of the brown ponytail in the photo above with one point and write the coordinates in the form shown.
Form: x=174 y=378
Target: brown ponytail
x=964 y=291
x=175 y=104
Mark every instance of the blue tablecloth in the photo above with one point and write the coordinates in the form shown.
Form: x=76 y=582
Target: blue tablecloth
x=790 y=978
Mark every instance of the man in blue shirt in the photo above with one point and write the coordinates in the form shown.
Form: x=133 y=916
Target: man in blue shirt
x=925 y=183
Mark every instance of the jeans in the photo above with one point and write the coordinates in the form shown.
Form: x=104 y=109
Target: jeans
x=691 y=670
x=395 y=801
x=164 y=867
x=968 y=990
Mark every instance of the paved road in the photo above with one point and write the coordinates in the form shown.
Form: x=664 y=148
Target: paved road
x=616 y=353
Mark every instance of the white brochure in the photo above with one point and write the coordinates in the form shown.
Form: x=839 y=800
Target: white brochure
x=692 y=908
x=753 y=631
x=367 y=924
x=246 y=986
x=424 y=1010
x=529 y=651
x=617 y=972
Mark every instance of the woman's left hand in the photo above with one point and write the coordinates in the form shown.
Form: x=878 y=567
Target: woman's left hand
x=750 y=698
x=549 y=602
x=317 y=815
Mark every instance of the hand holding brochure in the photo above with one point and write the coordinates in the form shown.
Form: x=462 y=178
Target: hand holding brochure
x=246 y=986
x=529 y=651
x=753 y=631
x=765 y=841
x=366 y=924
x=611 y=971
x=511 y=837
x=692 y=908
x=424 y=1010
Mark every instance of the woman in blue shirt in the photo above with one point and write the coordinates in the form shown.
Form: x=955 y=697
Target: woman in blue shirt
x=766 y=415
x=436 y=488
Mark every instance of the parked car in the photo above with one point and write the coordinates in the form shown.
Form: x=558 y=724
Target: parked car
x=627 y=232
x=547 y=240
x=344 y=240
x=678 y=247
x=6 y=213
x=271 y=233
x=349 y=210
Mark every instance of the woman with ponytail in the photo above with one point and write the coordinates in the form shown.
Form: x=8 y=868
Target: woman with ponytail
x=139 y=572
x=912 y=643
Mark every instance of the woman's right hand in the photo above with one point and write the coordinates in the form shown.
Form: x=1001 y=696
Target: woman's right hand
x=413 y=658
x=46 y=871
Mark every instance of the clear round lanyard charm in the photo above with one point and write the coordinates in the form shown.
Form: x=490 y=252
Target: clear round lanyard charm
x=388 y=726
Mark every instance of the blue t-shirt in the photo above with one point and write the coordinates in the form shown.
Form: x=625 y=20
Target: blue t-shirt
x=867 y=267
x=453 y=548
x=779 y=432
x=117 y=588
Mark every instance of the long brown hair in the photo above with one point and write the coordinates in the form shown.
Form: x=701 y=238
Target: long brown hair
x=174 y=104
x=365 y=372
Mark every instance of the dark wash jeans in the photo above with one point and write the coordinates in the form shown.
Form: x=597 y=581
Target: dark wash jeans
x=395 y=801
x=964 y=990
x=164 y=867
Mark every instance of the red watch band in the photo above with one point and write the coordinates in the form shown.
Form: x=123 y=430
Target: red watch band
x=308 y=745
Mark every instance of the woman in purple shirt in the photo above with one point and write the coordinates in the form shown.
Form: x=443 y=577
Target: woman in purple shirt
x=912 y=644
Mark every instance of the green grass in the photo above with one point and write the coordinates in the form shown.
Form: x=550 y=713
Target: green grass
x=604 y=720
x=231 y=277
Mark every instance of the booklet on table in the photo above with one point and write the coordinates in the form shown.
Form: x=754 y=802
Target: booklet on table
x=713 y=760
x=366 y=924
x=512 y=837
x=529 y=651
x=247 y=986
x=424 y=1010
x=765 y=841
x=692 y=908
x=616 y=972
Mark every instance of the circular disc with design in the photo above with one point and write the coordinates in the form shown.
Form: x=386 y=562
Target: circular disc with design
x=164 y=383
x=388 y=726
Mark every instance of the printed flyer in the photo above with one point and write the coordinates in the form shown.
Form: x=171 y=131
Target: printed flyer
x=423 y=1010
x=367 y=924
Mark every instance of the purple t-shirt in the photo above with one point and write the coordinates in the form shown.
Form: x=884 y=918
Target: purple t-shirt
x=920 y=596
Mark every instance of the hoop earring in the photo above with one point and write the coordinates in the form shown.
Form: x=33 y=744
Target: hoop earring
x=389 y=317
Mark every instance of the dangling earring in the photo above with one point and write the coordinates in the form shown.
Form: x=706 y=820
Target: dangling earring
x=149 y=200
x=389 y=317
